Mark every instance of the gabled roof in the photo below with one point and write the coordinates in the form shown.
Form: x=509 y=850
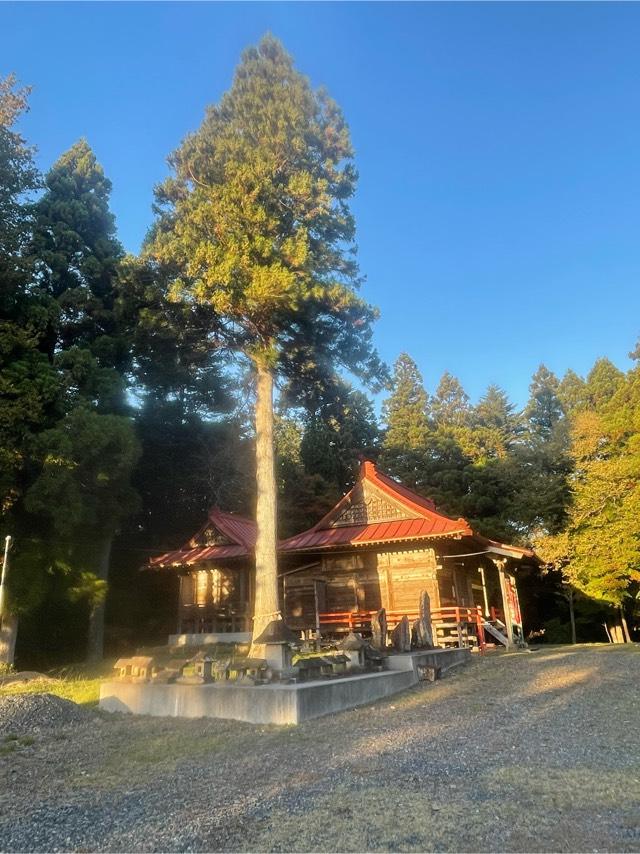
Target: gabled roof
x=236 y=535
x=378 y=509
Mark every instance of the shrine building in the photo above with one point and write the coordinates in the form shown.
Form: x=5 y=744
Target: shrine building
x=380 y=547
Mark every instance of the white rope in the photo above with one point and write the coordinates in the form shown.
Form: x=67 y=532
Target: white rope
x=272 y=614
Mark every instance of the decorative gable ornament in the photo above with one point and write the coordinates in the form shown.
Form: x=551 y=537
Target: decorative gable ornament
x=210 y=536
x=369 y=505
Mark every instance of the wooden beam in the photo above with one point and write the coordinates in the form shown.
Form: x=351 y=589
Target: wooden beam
x=508 y=616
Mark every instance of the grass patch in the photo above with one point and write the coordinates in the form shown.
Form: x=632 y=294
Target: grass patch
x=85 y=692
x=11 y=743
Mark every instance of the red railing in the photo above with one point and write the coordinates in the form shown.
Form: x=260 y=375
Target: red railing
x=361 y=620
x=495 y=614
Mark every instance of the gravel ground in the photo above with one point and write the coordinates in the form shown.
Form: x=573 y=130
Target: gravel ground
x=524 y=752
x=23 y=714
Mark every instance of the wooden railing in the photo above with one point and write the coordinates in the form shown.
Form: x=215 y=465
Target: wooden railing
x=457 y=615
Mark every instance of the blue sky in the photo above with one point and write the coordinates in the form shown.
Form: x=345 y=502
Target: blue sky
x=498 y=146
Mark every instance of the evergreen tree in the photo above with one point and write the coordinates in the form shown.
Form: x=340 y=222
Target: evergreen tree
x=542 y=459
x=337 y=435
x=450 y=403
x=572 y=392
x=257 y=223
x=603 y=380
x=495 y=425
x=544 y=410
x=28 y=388
x=28 y=385
x=75 y=258
x=84 y=489
x=303 y=496
x=404 y=413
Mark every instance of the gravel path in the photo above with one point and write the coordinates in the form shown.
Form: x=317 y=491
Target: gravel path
x=525 y=752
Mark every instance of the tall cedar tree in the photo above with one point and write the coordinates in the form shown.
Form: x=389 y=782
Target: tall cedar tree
x=256 y=221
x=543 y=459
x=572 y=392
x=336 y=435
x=404 y=413
x=28 y=385
x=450 y=403
x=76 y=258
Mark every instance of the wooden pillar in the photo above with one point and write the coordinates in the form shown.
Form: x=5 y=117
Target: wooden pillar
x=508 y=617
x=180 y=603
x=484 y=591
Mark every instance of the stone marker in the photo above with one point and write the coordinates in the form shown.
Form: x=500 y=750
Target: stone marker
x=379 y=630
x=422 y=631
x=401 y=636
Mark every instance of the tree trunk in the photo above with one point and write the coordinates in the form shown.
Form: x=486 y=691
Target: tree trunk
x=95 y=641
x=625 y=627
x=616 y=633
x=266 y=605
x=8 y=635
x=572 y=616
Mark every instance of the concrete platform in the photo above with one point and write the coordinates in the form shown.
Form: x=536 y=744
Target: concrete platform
x=275 y=704
x=211 y=637
x=264 y=704
x=444 y=659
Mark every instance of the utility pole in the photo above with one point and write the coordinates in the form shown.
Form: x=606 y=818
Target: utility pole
x=3 y=578
x=8 y=621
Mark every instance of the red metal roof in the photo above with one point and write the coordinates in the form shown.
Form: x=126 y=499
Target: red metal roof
x=238 y=529
x=423 y=520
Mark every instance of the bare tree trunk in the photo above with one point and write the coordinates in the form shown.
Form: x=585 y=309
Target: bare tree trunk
x=8 y=635
x=95 y=641
x=266 y=604
x=625 y=627
x=616 y=633
x=572 y=616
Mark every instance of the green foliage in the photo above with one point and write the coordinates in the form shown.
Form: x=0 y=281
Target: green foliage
x=256 y=224
x=496 y=425
x=599 y=548
x=75 y=257
x=603 y=380
x=544 y=411
x=84 y=484
x=407 y=426
x=572 y=392
x=450 y=403
x=543 y=459
x=336 y=435
x=172 y=359
x=28 y=386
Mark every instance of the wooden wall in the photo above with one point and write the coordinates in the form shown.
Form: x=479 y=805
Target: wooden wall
x=363 y=581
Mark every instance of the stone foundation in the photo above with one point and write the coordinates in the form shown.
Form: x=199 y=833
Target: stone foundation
x=275 y=704
x=209 y=638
